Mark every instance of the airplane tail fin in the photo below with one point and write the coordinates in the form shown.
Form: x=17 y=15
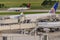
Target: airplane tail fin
x=53 y=9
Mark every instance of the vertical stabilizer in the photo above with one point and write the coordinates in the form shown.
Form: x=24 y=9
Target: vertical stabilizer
x=53 y=9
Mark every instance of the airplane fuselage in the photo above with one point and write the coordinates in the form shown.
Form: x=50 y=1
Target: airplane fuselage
x=34 y=17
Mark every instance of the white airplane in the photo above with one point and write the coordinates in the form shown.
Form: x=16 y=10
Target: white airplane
x=18 y=9
x=33 y=17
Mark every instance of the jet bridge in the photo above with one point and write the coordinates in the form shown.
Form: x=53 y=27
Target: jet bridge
x=17 y=26
x=49 y=24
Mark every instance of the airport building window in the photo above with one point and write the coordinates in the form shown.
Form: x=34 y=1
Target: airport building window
x=4 y=38
x=43 y=20
x=26 y=21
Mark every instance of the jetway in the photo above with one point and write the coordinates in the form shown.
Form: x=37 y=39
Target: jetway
x=8 y=21
x=17 y=26
x=49 y=24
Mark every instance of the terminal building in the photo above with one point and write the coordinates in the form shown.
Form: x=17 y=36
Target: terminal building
x=11 y=29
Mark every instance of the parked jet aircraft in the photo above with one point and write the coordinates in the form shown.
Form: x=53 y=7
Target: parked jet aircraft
x=33 y=17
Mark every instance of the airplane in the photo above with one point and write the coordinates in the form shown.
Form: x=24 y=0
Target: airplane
x=18 y=9
x=33 y=17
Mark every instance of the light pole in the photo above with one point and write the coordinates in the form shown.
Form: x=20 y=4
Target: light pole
x=45 y=35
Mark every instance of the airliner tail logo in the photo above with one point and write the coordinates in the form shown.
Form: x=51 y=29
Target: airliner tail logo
x=53 y=9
